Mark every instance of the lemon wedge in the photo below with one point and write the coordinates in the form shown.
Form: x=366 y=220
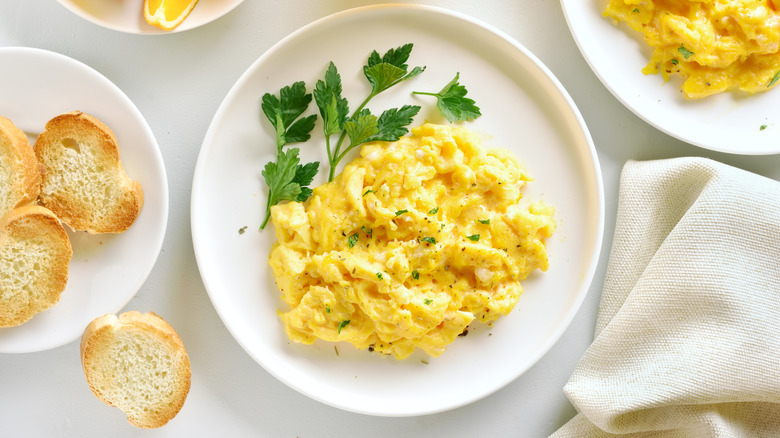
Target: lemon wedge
x=167 y=14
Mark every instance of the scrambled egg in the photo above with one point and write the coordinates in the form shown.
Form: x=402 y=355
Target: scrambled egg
x=409 y=245
x=714 y=45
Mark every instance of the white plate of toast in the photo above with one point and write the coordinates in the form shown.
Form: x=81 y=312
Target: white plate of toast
x=524 y=109
x=107 y=267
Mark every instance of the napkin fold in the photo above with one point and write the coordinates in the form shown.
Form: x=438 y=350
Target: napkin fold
x=687 y=340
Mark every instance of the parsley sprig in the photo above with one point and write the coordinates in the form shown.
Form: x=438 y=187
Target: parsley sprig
x=453 y=103
x=382 y=72
x=287 y=179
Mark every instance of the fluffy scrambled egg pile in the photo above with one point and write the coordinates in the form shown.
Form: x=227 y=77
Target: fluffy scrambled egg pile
x=409 y=245
x=715 y=45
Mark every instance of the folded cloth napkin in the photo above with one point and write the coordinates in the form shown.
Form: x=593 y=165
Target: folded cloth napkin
x=687 y=340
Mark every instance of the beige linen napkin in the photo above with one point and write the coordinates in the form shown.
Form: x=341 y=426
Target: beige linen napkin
x=687 y=339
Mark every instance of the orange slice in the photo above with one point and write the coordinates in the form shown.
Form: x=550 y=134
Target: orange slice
x=167 y=14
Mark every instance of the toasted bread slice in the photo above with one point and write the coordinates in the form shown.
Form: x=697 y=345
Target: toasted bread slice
x=84 y=182
x=35 y=253
x=137 y=363
x=20 y=174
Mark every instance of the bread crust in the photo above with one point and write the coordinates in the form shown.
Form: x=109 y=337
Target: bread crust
x=35 y=254
x=103 y=347
x=84 y=182
x=21 y=173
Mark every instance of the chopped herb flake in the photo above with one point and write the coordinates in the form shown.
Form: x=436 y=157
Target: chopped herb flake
x=774 y=80
x=367 y=192
x=379 y=275
x=684 y=52
x=368 y=231
x=473 y=237
x=430 y=240
x=353 y=239
x=428 y=301
x=327 y=309
x=343 y=324
x=485 y=222
x=636 y=10
x=416 y=274
x=762 y=127
x=675 y=62
x=434 y=210
x=242 y=230
x=400 y=212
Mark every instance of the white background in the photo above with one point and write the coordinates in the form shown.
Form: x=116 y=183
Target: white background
x=178 y=81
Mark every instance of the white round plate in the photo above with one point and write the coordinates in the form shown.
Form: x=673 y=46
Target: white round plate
x=127 y=15
x=723 y=122
x=524 y=109
x=106 y=270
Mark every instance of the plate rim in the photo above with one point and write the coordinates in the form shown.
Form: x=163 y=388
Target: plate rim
x=163 y=191
x=588 y=273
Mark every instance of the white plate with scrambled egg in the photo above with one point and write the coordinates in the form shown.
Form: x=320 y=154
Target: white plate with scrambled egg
x=527 y=115
x=734 y=122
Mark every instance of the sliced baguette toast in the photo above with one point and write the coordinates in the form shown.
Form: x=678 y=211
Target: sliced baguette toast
x=137 y=363
x=35 y=253
x=20 y=174
x=84 y=182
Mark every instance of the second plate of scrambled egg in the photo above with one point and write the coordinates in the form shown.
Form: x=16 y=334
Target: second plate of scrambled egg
x=704 y=71
x=445 y=206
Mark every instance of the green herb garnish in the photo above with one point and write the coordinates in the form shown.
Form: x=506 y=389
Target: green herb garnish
x=684 y=52
x=675 y=62
x=367 y=192
x=368 y=231
x=636 y=10
x=362 y=127
x=379 y=275
x=400 y=212
x=762 y=127
x=433 y=210
x=774 y=80
x=353 y=239
x=473 y=237
x=343 y=324
x=416 y=274
x=288 y=180
x=453 y=103
x=242 y=230
x=428 y=301
x=484 y=221
x=430 y=240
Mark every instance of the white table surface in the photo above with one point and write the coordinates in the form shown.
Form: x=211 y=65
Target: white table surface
x=178 y=81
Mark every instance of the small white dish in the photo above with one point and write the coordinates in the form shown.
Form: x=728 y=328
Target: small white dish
x=723 y=122
x=127 y=15
x=106 y=270
x=525 y=109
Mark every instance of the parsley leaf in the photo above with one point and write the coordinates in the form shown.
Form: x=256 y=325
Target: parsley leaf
x=434 y=210
x=343 y=324
x=774 y=80
x=484 y=221
x=762 y=127
x=684 y=52
x=400 y=212
x=367 y=192
x=416 y=274
x=286 y=179
x=430 y=240
x=382 y=72
x=428 y=301
x=473 y=237
x=283 y=111
x=390 y=69
x=379 y=275
x=453 y=103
